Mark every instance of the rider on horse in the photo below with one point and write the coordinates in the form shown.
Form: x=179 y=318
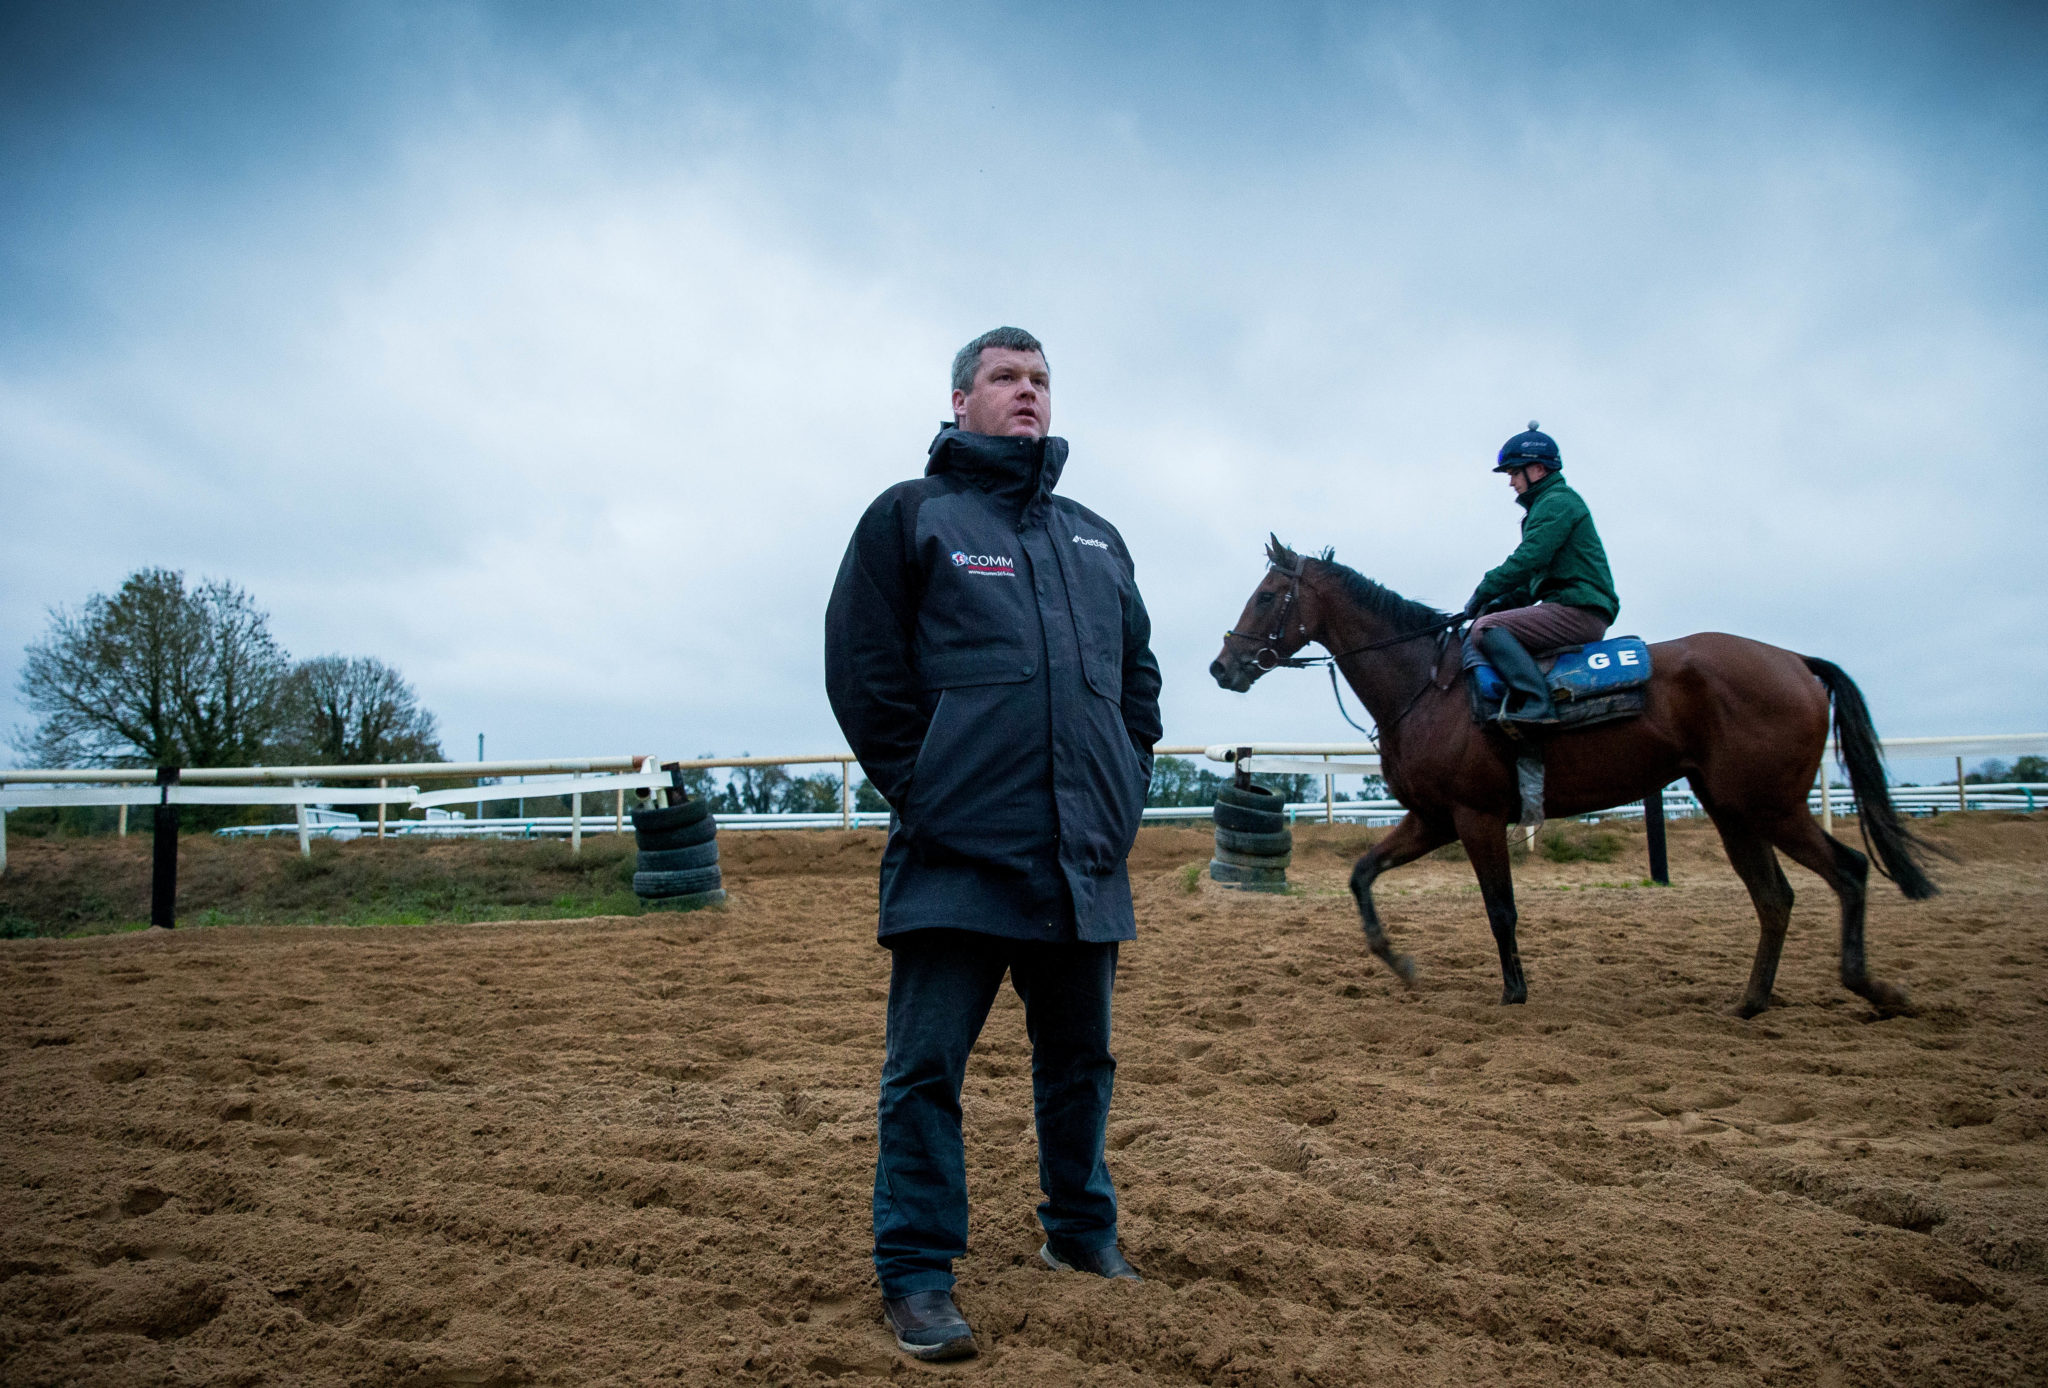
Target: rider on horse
x=1554 y=590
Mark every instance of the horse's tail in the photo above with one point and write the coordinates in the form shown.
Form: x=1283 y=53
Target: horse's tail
x=1898 y=850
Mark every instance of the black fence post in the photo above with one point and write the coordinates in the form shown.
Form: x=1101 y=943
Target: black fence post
x=1653 y=824
x=163 y=876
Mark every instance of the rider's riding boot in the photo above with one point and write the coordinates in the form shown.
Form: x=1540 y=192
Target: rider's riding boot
x=1529 y=692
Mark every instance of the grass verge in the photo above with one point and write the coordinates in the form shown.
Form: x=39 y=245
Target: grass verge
x=98 y=886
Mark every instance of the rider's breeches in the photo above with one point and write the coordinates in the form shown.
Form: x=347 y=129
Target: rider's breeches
x=1543 y=627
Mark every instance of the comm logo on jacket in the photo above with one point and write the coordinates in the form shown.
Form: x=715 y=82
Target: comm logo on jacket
x=996 y=565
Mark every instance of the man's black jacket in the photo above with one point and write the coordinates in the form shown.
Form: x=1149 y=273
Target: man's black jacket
x=986 y=653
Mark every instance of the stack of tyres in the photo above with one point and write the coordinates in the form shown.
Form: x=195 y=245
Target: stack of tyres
x=678 y=867
x=1253 y=844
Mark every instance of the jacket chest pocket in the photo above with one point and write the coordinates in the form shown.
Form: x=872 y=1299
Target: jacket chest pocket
x=974 y=607
x=1095 y=591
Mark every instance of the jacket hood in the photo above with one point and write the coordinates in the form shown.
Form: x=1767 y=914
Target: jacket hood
x=1021 y=473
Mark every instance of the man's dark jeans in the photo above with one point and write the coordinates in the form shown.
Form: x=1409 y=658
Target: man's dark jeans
x=941 y=985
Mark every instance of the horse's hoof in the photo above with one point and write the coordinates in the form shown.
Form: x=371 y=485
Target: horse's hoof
x=1404 y=968
x=1750 y=1007
x=1889 y=1001
x=1510 y=997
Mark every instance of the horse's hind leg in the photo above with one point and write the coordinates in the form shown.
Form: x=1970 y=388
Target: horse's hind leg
x=1845 y=870
x=1486 y=844
x=1750 y=854
x=1412 y=837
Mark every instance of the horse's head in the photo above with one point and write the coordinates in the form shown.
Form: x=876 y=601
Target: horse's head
x=1275 y=623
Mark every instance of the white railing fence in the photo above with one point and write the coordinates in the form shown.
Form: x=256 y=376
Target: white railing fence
x=310 y=792
x=307 y=790
x=1829 y=797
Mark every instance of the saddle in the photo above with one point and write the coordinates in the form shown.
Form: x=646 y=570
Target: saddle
x=1595 y=683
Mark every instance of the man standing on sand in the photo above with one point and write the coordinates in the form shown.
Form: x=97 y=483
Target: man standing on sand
x=986 y=653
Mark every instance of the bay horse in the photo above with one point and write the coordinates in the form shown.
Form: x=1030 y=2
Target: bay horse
x=1745 y=722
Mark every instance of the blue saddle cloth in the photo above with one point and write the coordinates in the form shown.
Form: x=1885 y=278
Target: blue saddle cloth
x=1584 y=681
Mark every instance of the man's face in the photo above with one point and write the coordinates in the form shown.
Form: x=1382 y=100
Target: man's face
x=1523 y=478
x=1012 y=396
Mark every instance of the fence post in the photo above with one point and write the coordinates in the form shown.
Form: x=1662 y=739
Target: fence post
x=619 y=811
x=1962 y=797
x=1653 y=825
x=1827 y=808
x=3 y=841
x=305 y=843
x=163 y=871
x=1329 y=796
x=846 y=795
x=575 y=821
x=383 y=783
x=121 y=822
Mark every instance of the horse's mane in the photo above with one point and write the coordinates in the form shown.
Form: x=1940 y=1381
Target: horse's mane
x=1377 y=599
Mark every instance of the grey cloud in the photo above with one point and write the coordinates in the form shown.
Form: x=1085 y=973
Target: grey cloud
x=552 y=360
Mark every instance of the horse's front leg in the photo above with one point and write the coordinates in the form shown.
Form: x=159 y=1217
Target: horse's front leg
x=1486 y=844
x=1412 y=837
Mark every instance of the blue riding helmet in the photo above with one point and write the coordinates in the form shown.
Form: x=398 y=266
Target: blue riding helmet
x=1531 y=447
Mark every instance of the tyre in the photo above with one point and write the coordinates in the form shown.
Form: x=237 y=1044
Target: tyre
x=1274 y=845
x=1244 y=821
x=672 y=817
x=680 y=859
x=689 y=836
x=1253 y=860
x=675 y=883
x=694 y=901
x=1258 y=879
x=1251 y=798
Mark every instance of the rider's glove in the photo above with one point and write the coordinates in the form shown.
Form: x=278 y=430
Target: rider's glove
x=1472 y=607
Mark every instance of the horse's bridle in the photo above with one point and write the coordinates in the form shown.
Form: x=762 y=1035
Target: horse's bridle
x=1267 y=657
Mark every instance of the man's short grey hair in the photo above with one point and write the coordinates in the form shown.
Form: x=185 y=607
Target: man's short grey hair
x=967 y=360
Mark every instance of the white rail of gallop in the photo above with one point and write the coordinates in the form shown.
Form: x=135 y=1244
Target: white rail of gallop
x=1362 y=759
x=307 y=787
x=302 y=788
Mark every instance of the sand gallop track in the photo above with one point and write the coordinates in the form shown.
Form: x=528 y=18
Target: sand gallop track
x=635 y=1151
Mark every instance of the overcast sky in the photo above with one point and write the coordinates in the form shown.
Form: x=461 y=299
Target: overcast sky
x=550 y=352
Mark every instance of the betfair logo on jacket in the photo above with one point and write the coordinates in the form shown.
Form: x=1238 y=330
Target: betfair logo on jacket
x=1092 y=544
x=996 y=565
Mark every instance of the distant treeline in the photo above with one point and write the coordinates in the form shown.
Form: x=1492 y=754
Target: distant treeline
x=775 y=790
x=2026 y=770
x=160 y=673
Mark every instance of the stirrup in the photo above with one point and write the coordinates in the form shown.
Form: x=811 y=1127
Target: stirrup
x=1517 y=726
x=1516 y=723
x=1501 y=720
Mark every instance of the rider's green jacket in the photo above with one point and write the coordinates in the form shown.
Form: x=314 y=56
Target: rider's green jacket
x=1560 y=558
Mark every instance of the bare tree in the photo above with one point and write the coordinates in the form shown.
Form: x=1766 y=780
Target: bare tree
x=753 y=789
x=813 y=794
x=354 y=710
x=155 y=675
